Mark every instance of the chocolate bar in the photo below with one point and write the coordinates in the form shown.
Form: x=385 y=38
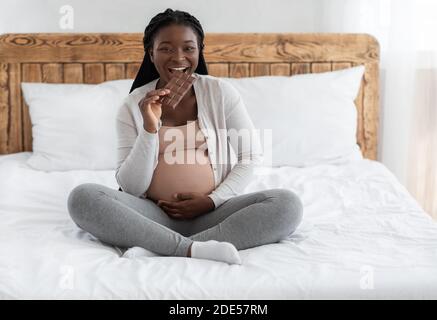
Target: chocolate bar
x=179 y=85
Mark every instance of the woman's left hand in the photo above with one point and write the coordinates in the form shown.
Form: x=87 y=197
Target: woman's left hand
x=187 y=206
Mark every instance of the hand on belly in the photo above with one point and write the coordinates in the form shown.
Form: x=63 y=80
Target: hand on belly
x=187 y=205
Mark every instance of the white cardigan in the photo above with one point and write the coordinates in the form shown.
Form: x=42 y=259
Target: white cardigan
x=220 y=108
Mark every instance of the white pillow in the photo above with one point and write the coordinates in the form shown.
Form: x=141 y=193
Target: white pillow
x=313 y=117
x=74 y=125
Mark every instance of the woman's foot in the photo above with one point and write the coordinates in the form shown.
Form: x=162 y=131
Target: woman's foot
x=214 y=250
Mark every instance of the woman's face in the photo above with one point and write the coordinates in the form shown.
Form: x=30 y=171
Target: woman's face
x=174 y=46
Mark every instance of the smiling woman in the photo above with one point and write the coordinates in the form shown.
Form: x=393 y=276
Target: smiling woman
x=173 y=39
x=184 y=209
x=174 y=48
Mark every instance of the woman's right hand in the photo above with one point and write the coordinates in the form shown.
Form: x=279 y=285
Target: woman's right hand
x=151 y=110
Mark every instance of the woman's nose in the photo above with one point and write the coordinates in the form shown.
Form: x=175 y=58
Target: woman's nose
x=179 y=55
x=179 y=58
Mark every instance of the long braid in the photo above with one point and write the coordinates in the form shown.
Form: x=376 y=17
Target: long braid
x=147 y=71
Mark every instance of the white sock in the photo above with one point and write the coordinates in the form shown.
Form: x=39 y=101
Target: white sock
x=138 y=252
x=215 y=250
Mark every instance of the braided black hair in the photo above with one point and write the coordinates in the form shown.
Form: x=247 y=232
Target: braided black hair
x=147 y=71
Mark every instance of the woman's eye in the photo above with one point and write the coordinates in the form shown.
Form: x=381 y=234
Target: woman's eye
x=168 y=50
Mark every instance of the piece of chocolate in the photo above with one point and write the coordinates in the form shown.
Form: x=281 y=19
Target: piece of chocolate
x=179 y=85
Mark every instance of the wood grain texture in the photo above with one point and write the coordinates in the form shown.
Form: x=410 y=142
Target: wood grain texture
x=300 y=68
x=318 y=67
x=303 y=47
x=239 y=70
x=73 y=73
x=68 y=47
x=94 y=58
x=219 y=47
x=4 y=107
x=52 y=73
x=280 y=69
x=218 y=69
x=15 y=127
x=114 y=71
x=259 y=69
x=132 y=70
x=370 y=115
x=340 y=65
x=94 y=73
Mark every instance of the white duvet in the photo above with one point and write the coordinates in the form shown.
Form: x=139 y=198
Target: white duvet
x=363 y=236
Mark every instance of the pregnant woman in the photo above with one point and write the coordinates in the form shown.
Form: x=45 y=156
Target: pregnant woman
x=184 y=208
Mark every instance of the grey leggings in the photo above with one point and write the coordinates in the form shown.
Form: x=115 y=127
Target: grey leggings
x=123 y=220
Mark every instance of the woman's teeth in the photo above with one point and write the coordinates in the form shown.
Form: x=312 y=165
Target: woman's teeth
x=179 y=69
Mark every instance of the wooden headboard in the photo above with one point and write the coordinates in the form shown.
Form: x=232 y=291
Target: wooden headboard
x=98 y=57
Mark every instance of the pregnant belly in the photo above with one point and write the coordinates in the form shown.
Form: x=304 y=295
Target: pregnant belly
x=170 y=178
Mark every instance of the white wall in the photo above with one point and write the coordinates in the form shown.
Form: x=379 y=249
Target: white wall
x=19 y=16
x=133 y=15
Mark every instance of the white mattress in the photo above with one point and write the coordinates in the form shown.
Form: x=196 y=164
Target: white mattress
x=363 y=236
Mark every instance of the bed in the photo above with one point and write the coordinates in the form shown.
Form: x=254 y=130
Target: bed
x=363 y=236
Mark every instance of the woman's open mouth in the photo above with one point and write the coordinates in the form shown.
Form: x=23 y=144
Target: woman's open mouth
x=182 y=69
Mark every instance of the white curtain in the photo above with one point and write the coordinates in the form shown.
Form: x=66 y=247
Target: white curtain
x=406 y=31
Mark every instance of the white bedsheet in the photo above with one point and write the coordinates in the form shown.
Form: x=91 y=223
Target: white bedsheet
x=363 y=236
